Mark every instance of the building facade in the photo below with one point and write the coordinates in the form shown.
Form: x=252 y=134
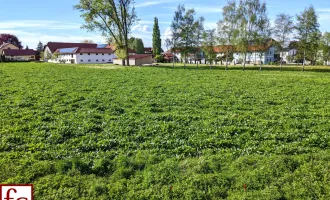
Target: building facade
x=19 y=54
x=78 y=55
x=137 y=59
x=51 y=47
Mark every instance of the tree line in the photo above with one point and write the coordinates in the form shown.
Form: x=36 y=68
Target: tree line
x=244 y=23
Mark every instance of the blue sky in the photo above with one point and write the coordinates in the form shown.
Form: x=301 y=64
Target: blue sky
x=46 y=21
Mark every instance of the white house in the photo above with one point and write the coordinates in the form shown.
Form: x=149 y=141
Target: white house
x=78 y=55
x=51 y=47
x=256 y=53
x=19 y=54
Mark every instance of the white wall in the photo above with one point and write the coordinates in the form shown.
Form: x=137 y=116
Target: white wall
x=256 y=57
x=95 y=59
x=47 y=52
x=92 y=58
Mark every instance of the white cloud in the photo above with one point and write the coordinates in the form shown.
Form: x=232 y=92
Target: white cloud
x=148 y=3
x=34 y=24
x=141 y=28
x=323 y=10
x=168 y=33
x=210 y=25
x=202 y=9
x=152 y=22
x=152 y=3
x=32 y=39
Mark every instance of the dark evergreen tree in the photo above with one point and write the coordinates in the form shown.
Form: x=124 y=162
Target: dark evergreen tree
x=40 y=47
x=156 y=40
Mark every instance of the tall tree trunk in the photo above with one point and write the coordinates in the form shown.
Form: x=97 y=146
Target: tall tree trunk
x=244 y=62
x=226 y=62
x=126 y=46
x=184 y=62
x=197 y=63
x=281 y=60
x=303 y=69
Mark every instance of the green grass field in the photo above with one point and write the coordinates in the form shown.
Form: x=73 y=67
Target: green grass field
x=104 y=132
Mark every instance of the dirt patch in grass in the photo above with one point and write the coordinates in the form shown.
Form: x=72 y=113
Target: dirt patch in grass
x=104 y=66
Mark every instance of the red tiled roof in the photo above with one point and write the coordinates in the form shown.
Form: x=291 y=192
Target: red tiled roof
x=224 y=48
x=19 y=52
x=138 y=56
x=53 y=46
x=94 y=50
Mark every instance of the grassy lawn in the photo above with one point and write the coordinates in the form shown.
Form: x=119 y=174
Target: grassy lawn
x=85 y=132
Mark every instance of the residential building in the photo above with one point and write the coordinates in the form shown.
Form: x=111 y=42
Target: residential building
x=7 y=46
x=51 y=47
x=78 y=55
x=19 y=54
x=256 y=54
x=137 y=59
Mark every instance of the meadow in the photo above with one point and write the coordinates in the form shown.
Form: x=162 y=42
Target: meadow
x=94 y=132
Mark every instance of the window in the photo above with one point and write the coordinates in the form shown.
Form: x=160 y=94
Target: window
x=71 y=55
x=109 y=54
x=110 y=60
x=89 y=54
x=81 y=54
x=81 y=60
x=103 y=60
x=89 y=60
x=97 y=54
x=97 y=60
x=102 y=54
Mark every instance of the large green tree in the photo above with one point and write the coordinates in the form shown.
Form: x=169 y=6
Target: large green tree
x=139 y=46
x=308 y=34
x=175 y=31
x=208 y=44
x=156 y=40
x=199 y=32
x=228 y=29
x=113 y=18
x=185 y=26
x=251 y=15
x=263 y=42
x=136 y=44
x=325 y=47
x=282 y=30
